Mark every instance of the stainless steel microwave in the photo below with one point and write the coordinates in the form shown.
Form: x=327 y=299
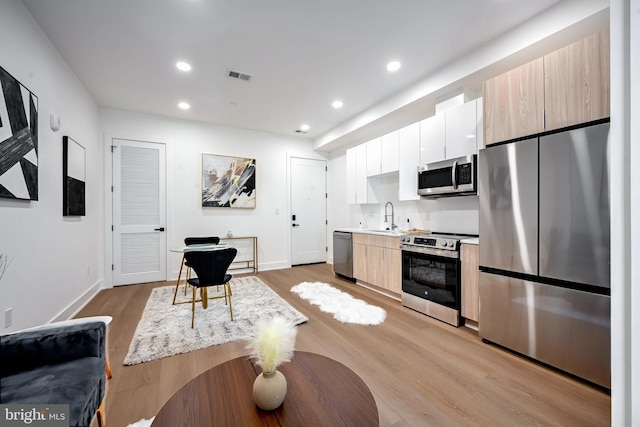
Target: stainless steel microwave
x=452 y=177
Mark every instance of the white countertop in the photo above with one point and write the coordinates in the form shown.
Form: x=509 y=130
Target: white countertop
x=372 y=231
x=471 y=241
x=468 y=240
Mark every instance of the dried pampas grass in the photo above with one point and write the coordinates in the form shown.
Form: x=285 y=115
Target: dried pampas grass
x=274 y=342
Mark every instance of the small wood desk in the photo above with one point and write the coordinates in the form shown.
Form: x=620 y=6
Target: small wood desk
x=320 y=392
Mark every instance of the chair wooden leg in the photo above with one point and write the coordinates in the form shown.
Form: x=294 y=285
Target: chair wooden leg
x=102 y=420
x=108 y=368
x=193 y=307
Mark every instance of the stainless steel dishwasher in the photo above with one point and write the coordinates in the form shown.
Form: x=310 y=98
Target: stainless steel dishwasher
x=343 y=254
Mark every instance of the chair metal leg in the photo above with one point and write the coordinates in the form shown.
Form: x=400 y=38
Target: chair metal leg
x=204 y=296
x=227 y=285
x=193 y=307
x=186 y=282
x=178 y=282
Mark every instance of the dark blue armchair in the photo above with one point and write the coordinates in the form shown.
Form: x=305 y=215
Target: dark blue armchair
x=56 y=365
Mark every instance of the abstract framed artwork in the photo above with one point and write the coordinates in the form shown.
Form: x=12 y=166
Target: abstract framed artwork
x=18 y=140
x=73 y=177
x=228 y=181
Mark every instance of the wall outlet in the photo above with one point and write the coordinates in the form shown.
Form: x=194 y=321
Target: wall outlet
x=8 y=317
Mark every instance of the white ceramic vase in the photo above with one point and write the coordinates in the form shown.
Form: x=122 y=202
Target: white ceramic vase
x=269 y=390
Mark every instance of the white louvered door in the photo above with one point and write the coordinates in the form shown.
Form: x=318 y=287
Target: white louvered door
x=139 y=212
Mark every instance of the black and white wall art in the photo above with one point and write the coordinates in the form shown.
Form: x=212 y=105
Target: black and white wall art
x=73 y=177
x=18 y=139
x=228 y=181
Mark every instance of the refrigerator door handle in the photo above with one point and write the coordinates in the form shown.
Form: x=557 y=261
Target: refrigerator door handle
x=453 y=174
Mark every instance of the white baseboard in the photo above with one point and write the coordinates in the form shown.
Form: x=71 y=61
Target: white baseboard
x=77 y=305
x=274 y=266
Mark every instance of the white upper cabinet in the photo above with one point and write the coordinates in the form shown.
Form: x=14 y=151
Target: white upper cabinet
x=432 y=139
x=454 y=133
x=382 y=154
x=364 y=189
x=374 y=156
x=461 y=129
x=351 y=176
x=409 y=159
x=389 y=152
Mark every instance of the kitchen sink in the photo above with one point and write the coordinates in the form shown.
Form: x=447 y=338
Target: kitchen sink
x=393 y=232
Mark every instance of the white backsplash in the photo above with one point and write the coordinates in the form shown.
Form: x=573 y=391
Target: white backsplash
x=454 y=215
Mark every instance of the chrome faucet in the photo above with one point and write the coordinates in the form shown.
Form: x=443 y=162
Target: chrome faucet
x=386 y=216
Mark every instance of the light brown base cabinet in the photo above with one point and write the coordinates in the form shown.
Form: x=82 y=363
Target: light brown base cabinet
x=377 y=260
x=470 y=304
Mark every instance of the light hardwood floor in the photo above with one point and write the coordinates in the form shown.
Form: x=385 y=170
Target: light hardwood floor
x=421 y=372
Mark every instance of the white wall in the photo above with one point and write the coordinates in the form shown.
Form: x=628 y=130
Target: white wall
x=186 y=141
x=625 y=211
x=55 y=262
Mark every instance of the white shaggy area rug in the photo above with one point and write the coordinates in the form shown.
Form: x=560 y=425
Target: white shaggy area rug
x=165 y=329
x=343 y=306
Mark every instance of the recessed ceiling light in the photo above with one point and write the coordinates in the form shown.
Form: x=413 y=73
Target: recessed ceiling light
x=184 y=105
x=183 y=66
x=393 y=66
x=304 y=127
x=337 y=104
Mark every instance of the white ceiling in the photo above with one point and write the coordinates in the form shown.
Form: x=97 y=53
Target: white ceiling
x=302 y=55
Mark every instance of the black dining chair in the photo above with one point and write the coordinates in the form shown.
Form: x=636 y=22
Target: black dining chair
x=211 y=268
x=188 y=241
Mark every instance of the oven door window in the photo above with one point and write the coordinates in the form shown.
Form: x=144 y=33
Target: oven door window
x=431 y=277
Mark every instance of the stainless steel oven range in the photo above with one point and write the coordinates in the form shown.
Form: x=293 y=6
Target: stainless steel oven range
x=431 y=275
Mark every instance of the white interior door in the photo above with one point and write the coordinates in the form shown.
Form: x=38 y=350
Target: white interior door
x=139 y=212
x=308 y=211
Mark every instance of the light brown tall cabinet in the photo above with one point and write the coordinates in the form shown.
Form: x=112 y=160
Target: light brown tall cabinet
x=513 y=103
x=567 y=87
x=576 y=82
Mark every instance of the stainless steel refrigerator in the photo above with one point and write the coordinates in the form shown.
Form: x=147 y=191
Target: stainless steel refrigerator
x=544 y=249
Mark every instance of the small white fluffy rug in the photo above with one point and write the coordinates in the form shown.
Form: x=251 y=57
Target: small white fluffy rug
x=142 y=423
x=344 y=307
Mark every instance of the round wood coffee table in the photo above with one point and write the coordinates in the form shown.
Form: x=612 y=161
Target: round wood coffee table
x=320 y=392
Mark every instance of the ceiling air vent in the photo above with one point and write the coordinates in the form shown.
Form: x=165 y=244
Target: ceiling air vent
x=239 y=75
